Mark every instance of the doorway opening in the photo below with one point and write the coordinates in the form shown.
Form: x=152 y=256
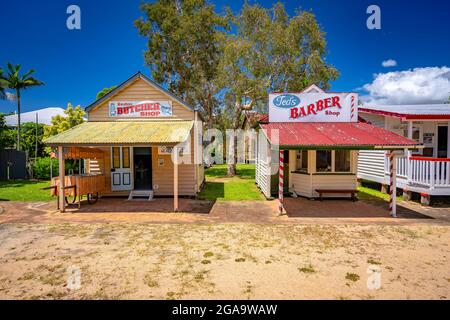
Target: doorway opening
x=142 y=168
x=442 y=141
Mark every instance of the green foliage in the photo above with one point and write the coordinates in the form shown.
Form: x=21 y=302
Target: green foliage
x=7 y=135
x=73 y=117
x=28 y=140
x=184 y=49
x=271 y=52
x=104 y=91
x=2 y=86
x=41 y=167
x=13 y=80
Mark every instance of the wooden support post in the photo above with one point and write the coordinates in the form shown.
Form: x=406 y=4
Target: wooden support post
x=62 y=205
x=175 y=179
x=393 y=185
x=281 y=184
x=408 y=153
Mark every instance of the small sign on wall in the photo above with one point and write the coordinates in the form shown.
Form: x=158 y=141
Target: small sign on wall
x=428 y=138
x=164 y=150
x=160 y=162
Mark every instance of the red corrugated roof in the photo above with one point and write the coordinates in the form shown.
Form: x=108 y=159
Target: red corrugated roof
x=333 y=134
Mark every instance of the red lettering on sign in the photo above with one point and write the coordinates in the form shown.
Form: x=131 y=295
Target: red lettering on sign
x=336 y=102
x=311 y=109
x=327 y=102
x=294 y=113
x=302 y=112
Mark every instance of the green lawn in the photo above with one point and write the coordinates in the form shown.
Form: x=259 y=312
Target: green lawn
x=370 y=190
x=220 y=187
x=24 y=190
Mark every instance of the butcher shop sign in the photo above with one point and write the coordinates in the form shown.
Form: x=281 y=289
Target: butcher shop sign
x=313 y=107
x=142 y=109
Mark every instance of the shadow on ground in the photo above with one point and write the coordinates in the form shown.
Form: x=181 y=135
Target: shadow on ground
x=343 y=208
x=160 y=205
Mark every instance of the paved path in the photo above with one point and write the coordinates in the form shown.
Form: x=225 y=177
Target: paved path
x=300 y=211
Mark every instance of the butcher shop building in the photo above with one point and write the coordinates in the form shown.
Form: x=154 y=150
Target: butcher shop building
x=138 y=142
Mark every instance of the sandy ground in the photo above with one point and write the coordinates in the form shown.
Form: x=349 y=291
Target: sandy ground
x=224 y=261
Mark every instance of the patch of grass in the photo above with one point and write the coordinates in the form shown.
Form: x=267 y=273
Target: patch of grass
x=27 y=276
x=149 y=281
x=407 y=232
x=308 y=269
x=221 y=187
x=208 y=254
x=206 y=261
x=373 y=261
x=372 y=194
x=233 y=189
x=352 y=277
x=239 y=259
x=244 y=171
x=24 y=190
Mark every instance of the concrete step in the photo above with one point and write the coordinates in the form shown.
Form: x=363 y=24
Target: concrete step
x=140 y=194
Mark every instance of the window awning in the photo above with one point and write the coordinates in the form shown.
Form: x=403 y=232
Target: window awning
x=334 y=135
x=123 y=133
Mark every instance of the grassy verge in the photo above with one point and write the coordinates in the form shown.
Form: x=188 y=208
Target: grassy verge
x=24 y=190
x=366 y=193
x=221 y=187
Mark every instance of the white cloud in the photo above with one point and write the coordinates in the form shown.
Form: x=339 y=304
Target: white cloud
x=389 y=63
x=416 y=86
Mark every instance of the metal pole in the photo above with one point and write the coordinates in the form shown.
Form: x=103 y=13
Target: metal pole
x=36 y=146
x=281 y=184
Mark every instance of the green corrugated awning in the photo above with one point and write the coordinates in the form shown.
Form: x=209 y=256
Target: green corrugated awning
x=124 y=133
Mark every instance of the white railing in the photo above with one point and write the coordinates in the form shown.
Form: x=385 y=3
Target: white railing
x=430 y=172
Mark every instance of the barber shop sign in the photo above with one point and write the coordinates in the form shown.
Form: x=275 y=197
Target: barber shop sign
x=313 y=107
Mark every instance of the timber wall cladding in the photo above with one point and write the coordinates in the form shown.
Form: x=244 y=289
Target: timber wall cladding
x=138 y=91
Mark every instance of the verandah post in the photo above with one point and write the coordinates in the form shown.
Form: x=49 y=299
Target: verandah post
x=393 y=184
x=62 y=205
x=175 y=179
x=281 y=183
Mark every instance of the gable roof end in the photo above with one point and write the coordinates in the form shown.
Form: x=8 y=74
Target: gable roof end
x=123 y=85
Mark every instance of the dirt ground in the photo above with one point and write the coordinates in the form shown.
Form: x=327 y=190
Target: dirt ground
x=223 y=261
x=233 y=250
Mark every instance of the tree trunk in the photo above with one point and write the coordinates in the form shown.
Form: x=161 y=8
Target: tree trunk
x=18 y=120
x=231 y=169
x=232 y=166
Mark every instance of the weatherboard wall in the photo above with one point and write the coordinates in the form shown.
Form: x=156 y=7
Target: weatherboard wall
x=140 y=90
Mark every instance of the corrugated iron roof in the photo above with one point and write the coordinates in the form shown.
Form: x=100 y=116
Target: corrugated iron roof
x=354 y=135
x=411 y=112
x=124 y=132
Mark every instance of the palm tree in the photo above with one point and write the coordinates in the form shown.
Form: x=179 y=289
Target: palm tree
x=2 y=89
x=17 y=82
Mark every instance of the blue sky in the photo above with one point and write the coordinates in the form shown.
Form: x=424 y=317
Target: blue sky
x=75 y=65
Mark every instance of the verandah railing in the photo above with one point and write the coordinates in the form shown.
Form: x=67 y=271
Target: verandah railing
x=431 y=172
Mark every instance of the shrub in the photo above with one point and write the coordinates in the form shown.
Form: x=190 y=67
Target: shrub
x=41 y=168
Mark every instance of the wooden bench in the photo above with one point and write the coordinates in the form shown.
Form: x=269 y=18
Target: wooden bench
x=352 y=192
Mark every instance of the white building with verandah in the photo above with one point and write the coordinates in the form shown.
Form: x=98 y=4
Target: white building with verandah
x=425 y=171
